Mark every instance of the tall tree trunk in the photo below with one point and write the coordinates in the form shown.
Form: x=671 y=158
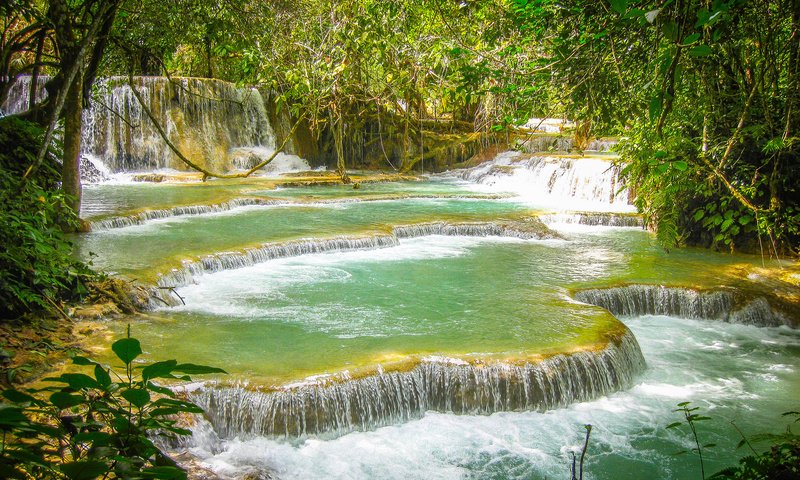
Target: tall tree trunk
x=37 y=67
x=73 y=122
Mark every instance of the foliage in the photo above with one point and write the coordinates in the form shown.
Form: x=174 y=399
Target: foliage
x=780 y=462
x=36 y=268
x=96 y=426
x=711 y=87
x=691 y=418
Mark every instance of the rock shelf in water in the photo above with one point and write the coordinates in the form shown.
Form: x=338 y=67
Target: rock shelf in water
x=725 y=304
x=145 y=216
x=527 y=229
x=336 y=405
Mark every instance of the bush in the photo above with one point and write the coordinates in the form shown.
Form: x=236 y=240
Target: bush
x=36 y=267
x=93 y=426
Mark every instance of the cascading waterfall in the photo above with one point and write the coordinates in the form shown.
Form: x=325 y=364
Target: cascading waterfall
x=213 y=122
x=726 y=305
x=561 y=143
x=145 y=216
x=564 y=181
x=594 y=219
x=19 y=96
x=340 y=405
x=148 y=215
x=204 y=118
x=529 y=229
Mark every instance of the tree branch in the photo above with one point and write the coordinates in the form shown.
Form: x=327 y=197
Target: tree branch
x=191 y=164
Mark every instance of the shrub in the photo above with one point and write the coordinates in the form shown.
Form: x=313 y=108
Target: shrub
x=96 y=426
x=36 y=267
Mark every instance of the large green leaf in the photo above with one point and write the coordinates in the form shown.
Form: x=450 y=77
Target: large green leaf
x=102 y=376
x=136 y=396
x=64 y=400
x=87 y=470
x=78 y=380
x=655 y=107
x=193 y=369
x=159 y=370
x=700 y=51
x=127 y=349
x=619 y=6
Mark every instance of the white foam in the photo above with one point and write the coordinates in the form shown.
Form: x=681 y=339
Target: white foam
x=563 y=184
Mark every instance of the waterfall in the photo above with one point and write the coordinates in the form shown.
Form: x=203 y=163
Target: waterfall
x=148 y=215
x=271 y=251
x=530 y=228
x=204 y=118
x=339 y=405
x=560 y=181
x=212 y=122
x=19 y=95
x=594 y=219
x=727 y=305
x=562 y=143
x=145 y=216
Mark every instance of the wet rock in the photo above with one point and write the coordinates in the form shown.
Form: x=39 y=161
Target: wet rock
x=96 y=311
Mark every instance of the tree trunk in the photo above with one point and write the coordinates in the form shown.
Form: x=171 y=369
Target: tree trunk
x=73 y=121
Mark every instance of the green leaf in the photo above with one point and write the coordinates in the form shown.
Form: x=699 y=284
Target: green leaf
x=699 y=214
x=619 y=6
x=65 y=400
x=670 y=30
x=78 y=380
x=680 y=165
x=674 y=425
x=164 y=473
x=726 y=224
x=655 y=108
x=159 y=389
x=102 y=376
x=700 y=51
x=11 y=416
x=18 y=397
x=136 y=396
x=127 y=349
x=745 y=219
x=192 y=369
x=84 y=470
x=78 y=360
x=691 y=38
x=159 y=370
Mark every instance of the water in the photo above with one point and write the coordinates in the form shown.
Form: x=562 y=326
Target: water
x=160 y=245
x=757 y=381
x=431 y=329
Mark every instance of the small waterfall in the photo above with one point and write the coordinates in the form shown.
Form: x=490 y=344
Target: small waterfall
x=532 y=229
x=595 y=219
x=145 y=216
x=341 y=405
x=563 y=143
x=561 y=181
x=726 y=305
x=233 y=260
x=529 y=229
x=148 y=215
x=204 y=118
x=19 y=96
